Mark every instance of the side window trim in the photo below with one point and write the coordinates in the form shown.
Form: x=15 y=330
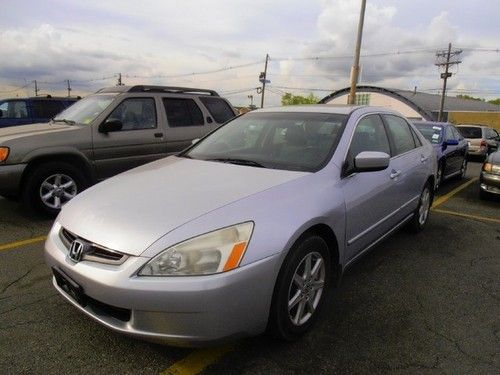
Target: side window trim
x=391 y=140
x=132 y=98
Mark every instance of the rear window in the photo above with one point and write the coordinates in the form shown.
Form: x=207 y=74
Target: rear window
x=470 y=131
x=218 y=108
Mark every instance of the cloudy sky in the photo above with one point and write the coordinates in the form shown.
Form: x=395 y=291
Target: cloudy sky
x=221 y=44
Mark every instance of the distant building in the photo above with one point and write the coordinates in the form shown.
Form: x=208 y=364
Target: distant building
x=422 y=106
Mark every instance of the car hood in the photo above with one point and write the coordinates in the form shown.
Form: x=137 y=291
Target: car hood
x=129 y=212
x=19 y=131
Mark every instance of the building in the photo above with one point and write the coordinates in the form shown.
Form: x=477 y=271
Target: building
x=422 y=106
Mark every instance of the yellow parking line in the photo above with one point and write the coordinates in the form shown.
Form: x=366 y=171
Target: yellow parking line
x=440 y=200
x=475 y=217
x=29 y=241
x=197 y=361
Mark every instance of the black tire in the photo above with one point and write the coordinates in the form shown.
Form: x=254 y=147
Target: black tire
x=419 y=220
x=484 y=195
x=280 y=323
x=33 y=185
x=439 y=175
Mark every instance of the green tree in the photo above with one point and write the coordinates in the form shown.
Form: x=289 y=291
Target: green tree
x=289 y=99
x=465 y=96
x=495 y=101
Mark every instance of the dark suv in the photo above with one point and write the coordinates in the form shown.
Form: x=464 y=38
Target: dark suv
x=21 y=111
x=111 y=131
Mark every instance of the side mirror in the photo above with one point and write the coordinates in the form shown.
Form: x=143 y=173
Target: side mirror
x=195 y=141
x=110 y=125
x=452 y=142
x=369 y=161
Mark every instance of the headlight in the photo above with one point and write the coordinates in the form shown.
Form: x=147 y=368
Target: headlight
x=4 y=153
x=207 y=254
x=487 y=167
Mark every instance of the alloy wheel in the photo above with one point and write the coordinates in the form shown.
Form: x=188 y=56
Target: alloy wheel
x=57 y=189
x=423 y=210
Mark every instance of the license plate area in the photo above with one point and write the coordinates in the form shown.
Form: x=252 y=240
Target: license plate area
x=71 y=287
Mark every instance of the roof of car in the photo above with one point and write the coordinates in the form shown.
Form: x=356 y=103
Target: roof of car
x=45 y=97
x=160 y=89
x=318 y=108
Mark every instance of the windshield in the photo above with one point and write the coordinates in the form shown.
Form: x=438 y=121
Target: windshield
x=86 y=110
x=470 y=131
x=433 y=134
x=291 y=141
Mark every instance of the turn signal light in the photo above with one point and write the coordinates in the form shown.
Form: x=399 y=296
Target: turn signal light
x=483 y=144
x=487 y=167
x=4 y=153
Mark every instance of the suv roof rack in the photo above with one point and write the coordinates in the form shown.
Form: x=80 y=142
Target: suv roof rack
x=171 y=89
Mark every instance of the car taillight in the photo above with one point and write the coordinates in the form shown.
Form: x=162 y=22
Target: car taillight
x=487 y=167
x=483 y=143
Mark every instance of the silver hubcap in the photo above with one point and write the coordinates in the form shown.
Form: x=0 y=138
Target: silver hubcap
x=56 y=190
x=306 y=288
x=423 y=210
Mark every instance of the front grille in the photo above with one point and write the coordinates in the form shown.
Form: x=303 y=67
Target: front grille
x=96 y=253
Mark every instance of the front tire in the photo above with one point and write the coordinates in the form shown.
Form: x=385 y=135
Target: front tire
x=421 y=214
x=301 y=289
x=51 y=185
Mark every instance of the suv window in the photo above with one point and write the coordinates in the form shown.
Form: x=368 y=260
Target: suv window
x=182 y=112
x=14 y=109
x=400 y=133
x=470 y=131
x=218 y=108
x=449 y=134
x=136 y=113
x=369 y=135
x=492 y=133
x=46 y=108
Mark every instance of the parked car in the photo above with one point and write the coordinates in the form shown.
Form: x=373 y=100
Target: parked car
x=247 y=229
x=482 y=139
x=21 y=111
x=451 y=149
x=489 y=181
x=114 y=130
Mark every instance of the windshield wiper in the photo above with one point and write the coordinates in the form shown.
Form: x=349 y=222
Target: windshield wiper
x=69 y=122
x=250 y=163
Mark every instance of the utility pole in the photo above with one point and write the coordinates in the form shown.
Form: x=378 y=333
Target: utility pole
x=263 y=79
x=119 y=80
x=355 y=67
x=36 y=88
x=446 y=58
x=69 y=88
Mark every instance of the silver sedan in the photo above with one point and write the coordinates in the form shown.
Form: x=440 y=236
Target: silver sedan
x=247 y=230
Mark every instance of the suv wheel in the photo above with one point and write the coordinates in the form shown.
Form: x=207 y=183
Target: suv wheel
x=301 y=288
x=52 y=185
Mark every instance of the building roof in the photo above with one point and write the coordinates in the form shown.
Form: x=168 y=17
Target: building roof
x=426 y=104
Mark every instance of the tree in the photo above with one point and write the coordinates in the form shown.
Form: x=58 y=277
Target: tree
x=289 y=99
x=495 y=101
x=465 y=96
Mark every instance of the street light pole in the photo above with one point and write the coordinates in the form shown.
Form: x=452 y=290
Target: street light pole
x=355 y=68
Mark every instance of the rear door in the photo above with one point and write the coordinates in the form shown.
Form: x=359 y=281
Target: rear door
x=369 y=196
x=408 y=170
x=452 y=152
x=185 y=121
x=141 y=139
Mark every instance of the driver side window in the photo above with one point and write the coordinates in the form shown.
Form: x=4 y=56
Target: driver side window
x=135 y=114
x=369 y=135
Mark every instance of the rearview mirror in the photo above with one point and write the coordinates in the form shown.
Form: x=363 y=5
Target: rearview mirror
x=451 y=142
x=110 y=125
x=369 y=161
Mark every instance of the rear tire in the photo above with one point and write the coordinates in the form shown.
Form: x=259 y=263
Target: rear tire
x=51 y=185
x=421 y=214
x=301 y=288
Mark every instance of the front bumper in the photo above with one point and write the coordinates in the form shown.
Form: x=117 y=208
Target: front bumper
x=490 y=182
x=10 y=178
x=180 y=311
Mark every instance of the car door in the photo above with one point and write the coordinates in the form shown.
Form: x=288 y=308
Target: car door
x=141 y=139
x=462 y=147
x=408 y=164
x=185 y=122
x=369 y=196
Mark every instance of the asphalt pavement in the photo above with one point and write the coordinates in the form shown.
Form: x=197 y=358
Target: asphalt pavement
x=425 y=303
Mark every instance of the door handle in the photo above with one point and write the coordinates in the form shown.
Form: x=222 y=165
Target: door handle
x=423 y=158
x=158 y=135
x=395 y=174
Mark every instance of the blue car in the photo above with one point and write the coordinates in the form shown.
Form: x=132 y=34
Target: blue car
x=21 y=111
x=451 y=149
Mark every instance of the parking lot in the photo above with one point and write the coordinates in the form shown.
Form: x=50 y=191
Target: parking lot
x=420 y=304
